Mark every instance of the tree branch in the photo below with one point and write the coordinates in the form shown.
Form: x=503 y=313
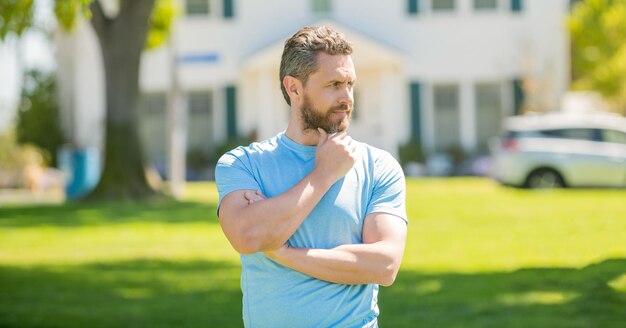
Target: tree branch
x=98 y=18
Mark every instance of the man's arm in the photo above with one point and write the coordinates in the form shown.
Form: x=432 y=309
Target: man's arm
x=377 y=260
x=261 y=226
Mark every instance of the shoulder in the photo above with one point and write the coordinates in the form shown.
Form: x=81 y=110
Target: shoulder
x=378 y=157
x=248 y=153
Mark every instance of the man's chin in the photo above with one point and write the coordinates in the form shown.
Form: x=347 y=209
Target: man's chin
x=336 y=129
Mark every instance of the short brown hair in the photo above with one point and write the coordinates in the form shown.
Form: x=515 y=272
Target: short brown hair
x=299 y=59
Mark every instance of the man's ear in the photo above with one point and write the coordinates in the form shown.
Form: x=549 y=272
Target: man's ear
x=293 y=87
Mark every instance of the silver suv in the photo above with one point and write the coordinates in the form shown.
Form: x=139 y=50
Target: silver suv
x=561 y=150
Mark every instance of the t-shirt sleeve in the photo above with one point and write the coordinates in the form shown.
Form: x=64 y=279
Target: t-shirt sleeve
x=234 y=172
x=389 y=194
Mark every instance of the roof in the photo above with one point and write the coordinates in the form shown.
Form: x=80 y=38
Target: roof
x=563 y=120
x=368 y=52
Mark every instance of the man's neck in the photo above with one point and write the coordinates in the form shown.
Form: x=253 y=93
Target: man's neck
x=304 y=137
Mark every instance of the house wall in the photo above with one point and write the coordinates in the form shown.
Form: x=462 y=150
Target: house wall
x=464 y=47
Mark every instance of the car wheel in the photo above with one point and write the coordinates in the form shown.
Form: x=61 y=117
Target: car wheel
x=544 y=178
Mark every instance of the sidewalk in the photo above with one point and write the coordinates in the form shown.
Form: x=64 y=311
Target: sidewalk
x=17 y=197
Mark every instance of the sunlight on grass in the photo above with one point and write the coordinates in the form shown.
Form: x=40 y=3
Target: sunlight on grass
x=427 y=287
x=537 y=297
x=465 y=226
x=619 y=283
x=134 y=293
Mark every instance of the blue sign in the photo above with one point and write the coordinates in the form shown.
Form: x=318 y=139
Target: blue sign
x=199 y=58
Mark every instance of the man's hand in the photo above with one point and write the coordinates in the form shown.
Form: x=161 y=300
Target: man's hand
x=335 y=155
x=253 y=196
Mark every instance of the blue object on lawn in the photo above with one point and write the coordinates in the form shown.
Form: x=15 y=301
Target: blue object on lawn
x=82 y=170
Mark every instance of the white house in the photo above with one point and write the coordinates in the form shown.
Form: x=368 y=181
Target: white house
x=444 y=72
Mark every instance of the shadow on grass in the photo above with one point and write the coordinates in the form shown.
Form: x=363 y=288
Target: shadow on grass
x=122 y=294
x=533 y=297
x=93 y=214
x=206 y=294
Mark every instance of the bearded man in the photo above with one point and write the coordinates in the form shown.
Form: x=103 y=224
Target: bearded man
x=318 y=218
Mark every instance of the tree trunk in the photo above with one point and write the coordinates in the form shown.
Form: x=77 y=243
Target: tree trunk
x=122 y=41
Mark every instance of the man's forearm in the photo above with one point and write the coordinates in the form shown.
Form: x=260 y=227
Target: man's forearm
x=346 y=264
x=266 y=225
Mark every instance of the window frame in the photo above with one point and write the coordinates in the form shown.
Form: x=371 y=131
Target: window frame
x=208 y=12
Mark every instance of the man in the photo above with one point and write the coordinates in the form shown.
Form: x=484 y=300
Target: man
x=318 y=218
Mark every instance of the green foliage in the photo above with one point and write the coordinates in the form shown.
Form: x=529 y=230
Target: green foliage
x=197 y=159
x=161 y=22
x=598 y=33
x=66 y=11
x=13 y=156
x=229 y=145
x=38 y=114
x=16 y=16
x=411 y=152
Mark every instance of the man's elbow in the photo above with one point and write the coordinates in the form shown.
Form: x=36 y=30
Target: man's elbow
x=245 y=249
x=250 y=243
x=242 y=242
x=388 y=276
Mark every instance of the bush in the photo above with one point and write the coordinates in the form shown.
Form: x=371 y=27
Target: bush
x=411 y=152
x=38 y=115
x=15 y=159
x=229 y=145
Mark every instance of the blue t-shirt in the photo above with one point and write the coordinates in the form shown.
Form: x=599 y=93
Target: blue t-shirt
x=277 y=296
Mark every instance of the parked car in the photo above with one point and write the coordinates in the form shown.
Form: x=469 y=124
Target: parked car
x=561 y=150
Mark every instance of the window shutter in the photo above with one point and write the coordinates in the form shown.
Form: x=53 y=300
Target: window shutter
x=231 y=111
x=229 y=10
x=413 y=7
x=516 y=6
x=416 y=110
x=518 y=96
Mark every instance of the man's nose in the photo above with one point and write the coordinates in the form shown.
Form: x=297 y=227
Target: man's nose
x=346 y=96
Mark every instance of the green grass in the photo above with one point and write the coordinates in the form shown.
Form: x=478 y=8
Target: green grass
x=478 y=255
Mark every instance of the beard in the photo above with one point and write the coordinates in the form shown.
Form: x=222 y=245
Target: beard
x=313 y=118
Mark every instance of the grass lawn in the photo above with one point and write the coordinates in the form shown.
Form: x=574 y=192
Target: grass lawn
x=478 y=255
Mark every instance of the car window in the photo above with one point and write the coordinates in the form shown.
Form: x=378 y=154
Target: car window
x=577 y=134
x=614 y=136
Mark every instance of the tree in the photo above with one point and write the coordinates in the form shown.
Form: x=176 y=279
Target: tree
x=122 y=36
x=598 y=33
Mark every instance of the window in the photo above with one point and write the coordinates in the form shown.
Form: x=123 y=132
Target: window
x=200 y=102
x=153 y=103
x=355 y=105
x=199 y=127
x=152 y=127
x=485 y=4
x=488 y=113
x=321 y=6
x=447 y=119
x=197 y=7
x=614 y=136
x=576 y=134
x=413 y=7
x=442 y=5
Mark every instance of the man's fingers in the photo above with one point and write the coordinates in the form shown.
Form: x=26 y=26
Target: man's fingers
x=323 y=136
x=339 y=135
x=253 y=196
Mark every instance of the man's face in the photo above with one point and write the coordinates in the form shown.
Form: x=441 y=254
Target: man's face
x=328 y=98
